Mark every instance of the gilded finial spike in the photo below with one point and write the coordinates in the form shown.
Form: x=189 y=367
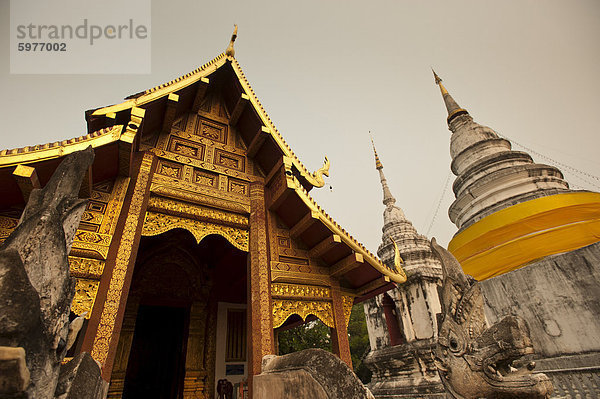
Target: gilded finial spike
x=230 y=50
x=388 y=198
x=438 y=80
x=453 y=108
x=378 y=164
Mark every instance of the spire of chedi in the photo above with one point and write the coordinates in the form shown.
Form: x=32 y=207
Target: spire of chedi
x=388 y=198
x=490 y=175
x=402 y=322
x=453 y=108
x=414 y=247
x=510 y=211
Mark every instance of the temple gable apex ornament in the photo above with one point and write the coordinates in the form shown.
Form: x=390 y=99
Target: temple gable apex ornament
x=475 y=361
x=230 y=52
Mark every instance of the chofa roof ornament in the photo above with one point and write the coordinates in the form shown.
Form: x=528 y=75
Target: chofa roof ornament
x=230 y=52
x=398 y=261
x=316 y=178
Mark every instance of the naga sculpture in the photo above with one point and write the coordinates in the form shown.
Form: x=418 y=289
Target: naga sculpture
x=316 y=178
x=36 y=289
x=475 y=361
x=398 y=261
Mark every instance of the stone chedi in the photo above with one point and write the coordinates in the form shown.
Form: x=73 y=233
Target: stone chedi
x=36 y=291
x=402 y=322
x=490 y=175
x=509 y=210
x=534 y=245
x=474 y=360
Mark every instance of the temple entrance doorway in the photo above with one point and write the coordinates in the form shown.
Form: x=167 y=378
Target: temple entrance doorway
x=154 y=369
x=185 y=319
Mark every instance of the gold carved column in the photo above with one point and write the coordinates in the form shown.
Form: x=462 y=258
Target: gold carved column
x=105 y=323
x=195 y=380
x=339 y=335
x=260 y=319
x=117 y=381
x=210 y=347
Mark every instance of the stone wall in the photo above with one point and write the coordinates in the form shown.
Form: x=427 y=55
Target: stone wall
x=416 y=305
x=559 y=296
x=378 y=333
x=406 y=370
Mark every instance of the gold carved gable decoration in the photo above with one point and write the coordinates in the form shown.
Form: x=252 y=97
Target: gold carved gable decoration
x=85 y=296
x=303 y=300
x=284 y=308
x=158 y=223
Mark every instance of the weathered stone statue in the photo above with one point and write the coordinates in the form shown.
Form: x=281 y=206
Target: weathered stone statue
x=475 y=361
x=36 y=289
x=308 y=374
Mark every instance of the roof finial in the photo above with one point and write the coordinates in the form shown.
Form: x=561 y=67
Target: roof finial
x=453 y=108
x=388 y=198
x=230 y=50
x=438 y=81
x=378 y=164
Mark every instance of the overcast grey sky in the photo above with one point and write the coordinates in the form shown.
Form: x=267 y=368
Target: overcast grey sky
x=328 y=72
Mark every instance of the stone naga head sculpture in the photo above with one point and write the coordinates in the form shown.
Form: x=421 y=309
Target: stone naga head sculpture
x=36 y=289
x=475 y=361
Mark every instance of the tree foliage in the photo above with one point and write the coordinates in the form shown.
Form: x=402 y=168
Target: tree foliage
x=315 y=334
x=359 y=342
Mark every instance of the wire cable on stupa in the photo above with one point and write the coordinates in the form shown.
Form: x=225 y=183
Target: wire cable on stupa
x=558 y=163
x=437 y=209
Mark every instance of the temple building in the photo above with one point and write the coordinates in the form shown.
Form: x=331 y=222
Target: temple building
x=200 y=242
x=200 y=239
x=402 y=322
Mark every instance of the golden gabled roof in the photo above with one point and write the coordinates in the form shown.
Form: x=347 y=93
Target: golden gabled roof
x=207 y=69
x=57 y=149
x=52 y=150
x=139 y=99
x=287 y=151
x=354 y=244
x=196 y=75
x=303 y=179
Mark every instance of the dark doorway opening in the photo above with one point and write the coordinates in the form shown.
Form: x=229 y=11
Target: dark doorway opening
x=155 y=367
